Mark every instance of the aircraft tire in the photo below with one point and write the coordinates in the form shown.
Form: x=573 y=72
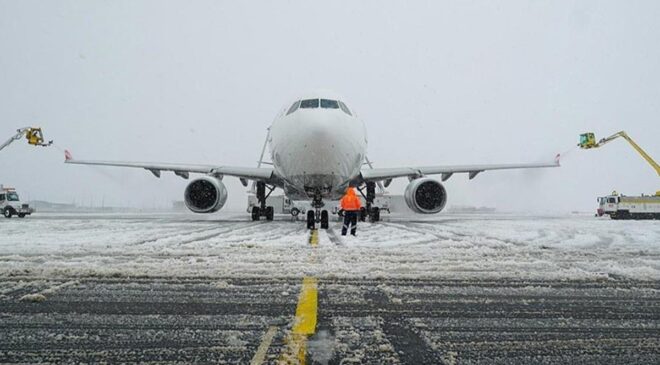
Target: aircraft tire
x=255 y=213
x=375 y=214
x=324 y=219
x=270 y=212
x=310 y=219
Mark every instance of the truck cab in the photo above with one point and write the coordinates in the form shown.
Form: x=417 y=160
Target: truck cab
x=607 y=205
x=10 y=204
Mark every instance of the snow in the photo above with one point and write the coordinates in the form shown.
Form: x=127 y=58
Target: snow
x=441 y=246
x=33 y=298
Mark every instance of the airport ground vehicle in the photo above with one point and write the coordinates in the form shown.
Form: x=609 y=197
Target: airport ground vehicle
x=629 y=207
x=621 y=206
x=33 y=135
x=10 y=204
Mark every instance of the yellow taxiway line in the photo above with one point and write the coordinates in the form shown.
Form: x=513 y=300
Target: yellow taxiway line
x=314 y=237
x=304 y=324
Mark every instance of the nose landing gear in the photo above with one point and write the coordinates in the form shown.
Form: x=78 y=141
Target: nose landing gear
x=317 y=215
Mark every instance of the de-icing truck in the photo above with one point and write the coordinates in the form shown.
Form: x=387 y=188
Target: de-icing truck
x=629 y=207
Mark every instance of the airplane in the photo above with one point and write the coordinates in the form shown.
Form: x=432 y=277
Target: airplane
x=318 y=147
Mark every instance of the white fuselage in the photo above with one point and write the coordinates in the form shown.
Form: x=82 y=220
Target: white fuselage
x=317 y=150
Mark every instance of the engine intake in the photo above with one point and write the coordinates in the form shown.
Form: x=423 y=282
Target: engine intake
x=425 y=196
x=205 y=195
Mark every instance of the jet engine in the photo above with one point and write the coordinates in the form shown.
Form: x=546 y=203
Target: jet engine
x=425 y=195
x=205 y=195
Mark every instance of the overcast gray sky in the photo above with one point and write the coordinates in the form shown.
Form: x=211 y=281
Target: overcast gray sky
x=435 y=82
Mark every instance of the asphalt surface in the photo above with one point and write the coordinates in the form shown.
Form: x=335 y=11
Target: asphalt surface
x=370 y=321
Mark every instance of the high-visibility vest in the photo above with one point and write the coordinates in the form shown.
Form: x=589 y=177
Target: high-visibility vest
x=350 y=201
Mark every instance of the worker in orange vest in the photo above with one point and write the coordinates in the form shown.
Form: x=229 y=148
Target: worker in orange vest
x=350 y=204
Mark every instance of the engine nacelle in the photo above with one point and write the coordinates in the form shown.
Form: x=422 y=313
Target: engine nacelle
x=205 y=195
x=425 y=195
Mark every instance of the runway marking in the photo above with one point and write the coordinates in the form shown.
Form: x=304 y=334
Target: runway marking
x=260 y=355
x=314 y=237
x=304 y=323
x=307 y=305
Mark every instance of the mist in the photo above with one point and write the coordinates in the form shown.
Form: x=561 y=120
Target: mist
x=436 y=83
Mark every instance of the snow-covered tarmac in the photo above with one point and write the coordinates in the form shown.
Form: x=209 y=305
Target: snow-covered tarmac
x=444 y=246
x=449 y=289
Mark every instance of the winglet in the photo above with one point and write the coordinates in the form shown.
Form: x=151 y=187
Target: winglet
x=67 y=156
x=557 y=159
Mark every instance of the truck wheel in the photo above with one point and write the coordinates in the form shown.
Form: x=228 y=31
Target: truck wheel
x=623 y=214
x=21 y=215
x=7 y=212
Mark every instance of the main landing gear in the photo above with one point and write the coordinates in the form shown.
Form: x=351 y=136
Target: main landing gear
x=262 y=210
x=317 y=215
x=369 y=211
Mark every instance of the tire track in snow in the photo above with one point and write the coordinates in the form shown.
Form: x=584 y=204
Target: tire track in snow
x=332 y=235
x=216 y=234
x=171 y=235
x=423 y=228
x=253 y=235
x=418 y=231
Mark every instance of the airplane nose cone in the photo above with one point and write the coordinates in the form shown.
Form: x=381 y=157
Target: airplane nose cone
x=322 y=145
x=321 y=133
x=321 y=142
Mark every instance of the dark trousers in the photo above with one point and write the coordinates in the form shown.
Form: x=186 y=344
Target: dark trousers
x=350 y=218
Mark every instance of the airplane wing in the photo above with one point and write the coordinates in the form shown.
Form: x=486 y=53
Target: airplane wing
x=184 y=170
x=378 y=174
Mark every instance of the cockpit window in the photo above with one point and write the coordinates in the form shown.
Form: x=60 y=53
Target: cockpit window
x=309 y=103
x=329 y=104
x=344 y=108
x=294 y=107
